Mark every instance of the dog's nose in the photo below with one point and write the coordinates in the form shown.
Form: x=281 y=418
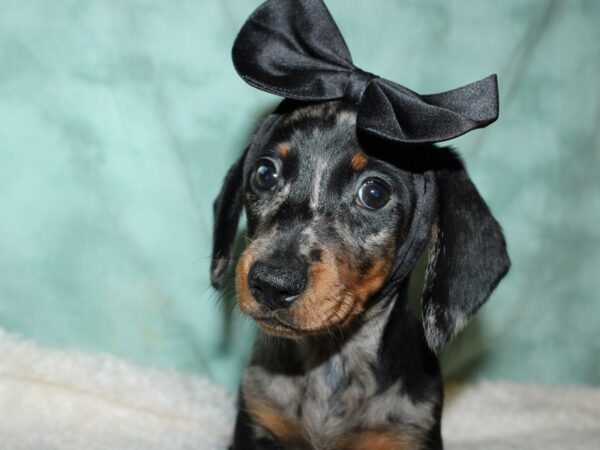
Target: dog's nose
x=276 y=284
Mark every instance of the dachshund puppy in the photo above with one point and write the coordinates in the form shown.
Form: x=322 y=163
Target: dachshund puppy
x=335 y=224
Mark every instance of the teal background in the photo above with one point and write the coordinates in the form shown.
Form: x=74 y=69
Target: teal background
x=119 y=119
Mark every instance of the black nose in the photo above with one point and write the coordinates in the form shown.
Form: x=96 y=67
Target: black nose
x=276 y=284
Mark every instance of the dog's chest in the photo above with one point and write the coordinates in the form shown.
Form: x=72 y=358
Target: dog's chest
x=324 y=403
x=334 y=399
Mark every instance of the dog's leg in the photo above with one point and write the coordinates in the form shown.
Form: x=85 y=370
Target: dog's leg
x=434 y=441
x=245 y=436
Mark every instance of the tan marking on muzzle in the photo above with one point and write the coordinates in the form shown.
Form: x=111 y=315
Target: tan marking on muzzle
x=245 y=300
x=363 y=286
x=321 y=303
x=337 y=292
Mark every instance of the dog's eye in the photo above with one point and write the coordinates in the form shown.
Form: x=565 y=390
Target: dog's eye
x=373 y=194
x=265 y=177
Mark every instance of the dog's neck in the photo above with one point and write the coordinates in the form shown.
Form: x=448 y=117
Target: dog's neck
x=362 y=342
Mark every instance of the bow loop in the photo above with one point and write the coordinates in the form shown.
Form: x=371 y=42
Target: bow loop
x=294 y=49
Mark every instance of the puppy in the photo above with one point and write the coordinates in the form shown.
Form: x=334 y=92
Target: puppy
x=335 y=224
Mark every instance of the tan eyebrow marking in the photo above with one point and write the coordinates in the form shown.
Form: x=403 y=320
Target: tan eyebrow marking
x=283 y=150
x=359 y=161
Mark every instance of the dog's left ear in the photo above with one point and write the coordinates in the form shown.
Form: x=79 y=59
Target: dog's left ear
x=467 y=257
x=227 y=209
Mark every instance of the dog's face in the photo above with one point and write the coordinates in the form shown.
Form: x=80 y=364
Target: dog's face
x=329 y=226
x=324 y=223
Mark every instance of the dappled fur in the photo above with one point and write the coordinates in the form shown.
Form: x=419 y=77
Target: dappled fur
x=344 y=363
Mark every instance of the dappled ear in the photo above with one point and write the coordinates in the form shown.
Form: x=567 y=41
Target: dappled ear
x=227 y=209
x=467 y=257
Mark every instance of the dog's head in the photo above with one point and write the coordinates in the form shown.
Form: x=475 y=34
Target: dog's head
x=330 y=225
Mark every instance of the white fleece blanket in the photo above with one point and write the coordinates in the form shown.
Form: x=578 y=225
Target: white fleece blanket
x=65 y=399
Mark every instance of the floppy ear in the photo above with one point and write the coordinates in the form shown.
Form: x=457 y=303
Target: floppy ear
x=467 y=258
x=227 y=209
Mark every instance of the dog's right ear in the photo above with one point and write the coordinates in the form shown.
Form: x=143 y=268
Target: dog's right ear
x=227 y=209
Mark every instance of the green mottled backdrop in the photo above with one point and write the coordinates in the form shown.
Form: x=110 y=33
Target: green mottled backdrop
x=119 y=118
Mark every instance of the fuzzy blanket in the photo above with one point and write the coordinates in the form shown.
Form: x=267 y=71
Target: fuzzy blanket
x=65 y=399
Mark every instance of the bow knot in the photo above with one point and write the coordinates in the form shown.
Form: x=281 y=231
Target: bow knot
x=294 y=49
x=357 y=85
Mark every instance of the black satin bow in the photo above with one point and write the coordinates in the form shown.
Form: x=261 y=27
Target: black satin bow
x=294 y=49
